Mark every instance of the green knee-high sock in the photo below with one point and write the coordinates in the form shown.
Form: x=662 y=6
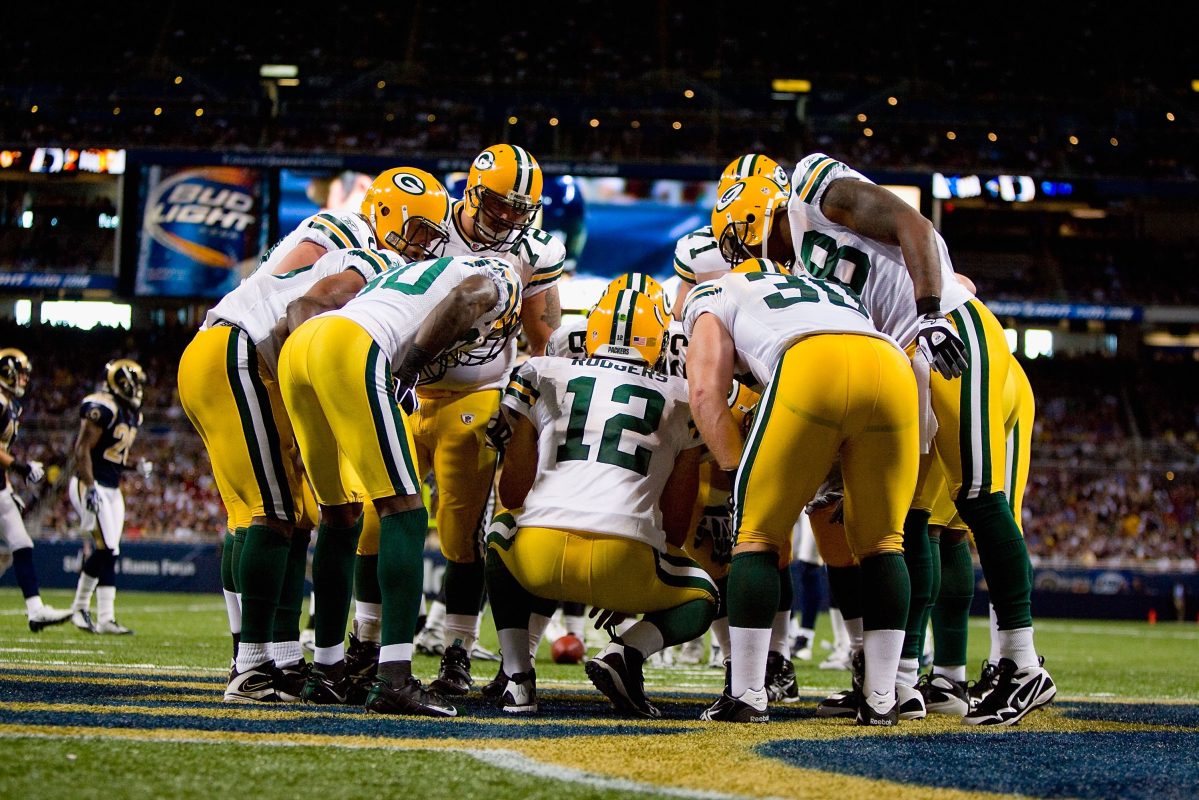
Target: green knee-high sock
x=934 y=550
x=845 y=586
x=786 y=590
x=1004 y=558
x=402 y=572
x=753 y=590
x=263 y=562
x=332 y=580
x=463 y=587
x=722 y=606
x=919 y=566
x=511 y=603
x=366 y=579
x=239 y=541
x=951 y=614
x=291 y=597
x=683 y=623
x=886 y=592
x=227 y=582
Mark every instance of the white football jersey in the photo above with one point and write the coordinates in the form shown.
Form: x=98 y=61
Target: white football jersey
x=538 y=258
x=696 y=254
x=261 y=299
x=569 y=341
x=766 y=313
x=392 y=307
x=873 y=269
x=608 y=434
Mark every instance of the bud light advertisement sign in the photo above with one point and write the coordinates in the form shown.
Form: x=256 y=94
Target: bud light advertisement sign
x=202 y=230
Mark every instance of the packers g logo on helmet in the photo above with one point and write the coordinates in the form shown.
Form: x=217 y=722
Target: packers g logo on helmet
x=410 y=212
x=640 y=282
x=503 y=195
x=125 y=378
x=626 y=324
x=13 y=364
x=753 y=165
x=743 y=216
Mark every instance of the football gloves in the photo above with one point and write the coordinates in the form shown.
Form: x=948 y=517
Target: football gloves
x=31 y=471
x=716 y=524
x=91 y=499
x=406 y=394
x=940 y=345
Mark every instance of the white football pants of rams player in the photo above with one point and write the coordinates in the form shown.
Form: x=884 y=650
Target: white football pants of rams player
x=110 y=515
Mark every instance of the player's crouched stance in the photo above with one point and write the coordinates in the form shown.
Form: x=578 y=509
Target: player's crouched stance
x=602 y=467
x=834 y=385
x=341 y=373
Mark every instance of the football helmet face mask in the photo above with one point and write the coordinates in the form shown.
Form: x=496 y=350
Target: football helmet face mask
x=627 y=325
x=743 y=217
x=15 y=370
x=126 y=380
x=484 y=342
x=753 y=165
x=409 y=210
x=640 y=282
x=503 y=195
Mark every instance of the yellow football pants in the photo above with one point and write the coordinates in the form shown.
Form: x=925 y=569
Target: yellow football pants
x=449 y=430
x=239 y=413
x=337 y=386
x=831 y=393
x=609 y=572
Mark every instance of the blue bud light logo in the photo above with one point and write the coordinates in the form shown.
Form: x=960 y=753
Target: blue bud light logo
x=201 y=231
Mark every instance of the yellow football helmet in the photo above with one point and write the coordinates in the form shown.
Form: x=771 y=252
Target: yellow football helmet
x=626 y=324
x=503 y=194
x=753 y=165
x=744 y=215
x=761 y=265
x=410 y=212
x=487 y=342
x=126 y=379
x=15 y=370
x=640 y=282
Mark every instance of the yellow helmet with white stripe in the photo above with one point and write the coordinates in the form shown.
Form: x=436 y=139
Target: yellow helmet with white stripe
x=503 y=194
x=640 y=282
x=761 y=265
x=753 y=165
x=409 y=210
x=744 y=215
x=628 y=325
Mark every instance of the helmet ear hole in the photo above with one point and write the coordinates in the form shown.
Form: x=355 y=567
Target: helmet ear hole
x=383 y=210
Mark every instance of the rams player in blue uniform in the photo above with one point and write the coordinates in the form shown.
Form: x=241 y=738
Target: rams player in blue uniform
x=14 y=378
x=109 y=420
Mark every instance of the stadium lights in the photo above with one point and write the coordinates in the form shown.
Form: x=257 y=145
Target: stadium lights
x=867 y=132
x=33 y=109
x=158 y=111
x=553 y=122
x=950 y=135
x=635 y=124
x=791 y=85
x=689 y=93
x=862 y=118
x=288 y=81
x=1169 y=116
x=278 y=71
x=892 y=100
x=1195 y=85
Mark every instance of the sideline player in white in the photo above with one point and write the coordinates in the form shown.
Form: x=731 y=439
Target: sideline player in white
x=602 y=467
x=341 y=374
x=15 y=370
x=108 y=425
x=834 y=385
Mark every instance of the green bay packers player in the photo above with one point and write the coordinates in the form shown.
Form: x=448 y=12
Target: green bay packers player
x=602 y=468
x=842 y=227
x=15 y=370
x=228 y=388
x=341 y=374
x=492 y=219
x=697 y=255
x=109 y=420
x=834 y=385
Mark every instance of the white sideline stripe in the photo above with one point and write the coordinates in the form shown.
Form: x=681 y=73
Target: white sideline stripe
x=500 y=759
x=516 y=762
x=1168 y=631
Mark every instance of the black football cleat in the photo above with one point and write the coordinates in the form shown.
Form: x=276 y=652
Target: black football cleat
x=409 y=698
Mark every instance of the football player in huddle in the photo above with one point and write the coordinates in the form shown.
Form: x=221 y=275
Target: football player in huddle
x=109 y=420
x=15 y=370
x=833 y=384
x=583 y=432
x=697 y=255
x=493 y=219
x=229 y=389
x=342 y=374
x=841 y=227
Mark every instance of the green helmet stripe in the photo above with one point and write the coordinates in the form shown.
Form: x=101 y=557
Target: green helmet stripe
x=524 y=171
